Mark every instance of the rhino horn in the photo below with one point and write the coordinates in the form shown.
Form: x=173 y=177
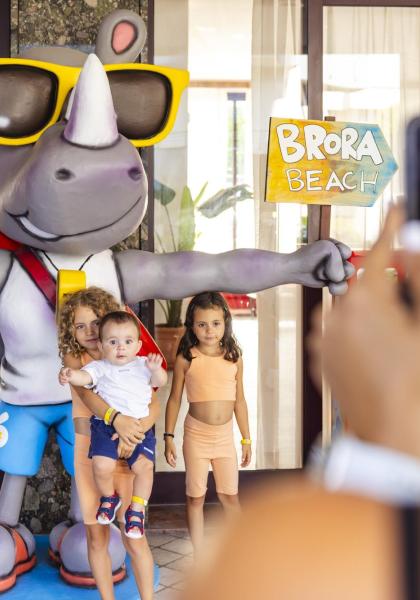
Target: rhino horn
x=92 y=121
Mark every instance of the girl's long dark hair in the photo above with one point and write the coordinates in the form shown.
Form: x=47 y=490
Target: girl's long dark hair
x=209 y=300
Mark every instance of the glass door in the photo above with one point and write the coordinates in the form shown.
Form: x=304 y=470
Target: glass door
x=371 y=74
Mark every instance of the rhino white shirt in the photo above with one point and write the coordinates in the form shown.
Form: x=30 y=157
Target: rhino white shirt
x=30 y=365
x=124 y=387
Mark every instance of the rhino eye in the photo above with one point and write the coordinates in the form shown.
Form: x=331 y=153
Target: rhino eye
x=63 y=174
x=135 y=173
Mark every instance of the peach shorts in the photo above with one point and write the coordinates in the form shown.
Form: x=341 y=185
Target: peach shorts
x=209 y=444
x=86 y=486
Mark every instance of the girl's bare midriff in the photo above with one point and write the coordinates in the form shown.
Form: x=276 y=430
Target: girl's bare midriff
x=212 y=412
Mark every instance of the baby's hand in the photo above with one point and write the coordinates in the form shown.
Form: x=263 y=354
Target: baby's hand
x=153 y=362
x=64 y=375
x=125 y=450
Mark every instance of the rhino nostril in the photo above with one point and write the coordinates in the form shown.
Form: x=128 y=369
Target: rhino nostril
x=63 y=174
x=135 y=173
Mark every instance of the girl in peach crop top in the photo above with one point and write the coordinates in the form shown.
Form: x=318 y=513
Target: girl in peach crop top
x=210 y=378
x=209 y=364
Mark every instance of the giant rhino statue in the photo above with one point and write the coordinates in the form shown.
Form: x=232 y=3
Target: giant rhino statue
x=76 y=192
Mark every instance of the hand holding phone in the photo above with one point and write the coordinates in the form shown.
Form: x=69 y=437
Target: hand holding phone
x=412 y=170
x=410 y=232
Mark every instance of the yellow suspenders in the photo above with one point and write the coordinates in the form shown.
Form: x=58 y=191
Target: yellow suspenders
x=68 y=282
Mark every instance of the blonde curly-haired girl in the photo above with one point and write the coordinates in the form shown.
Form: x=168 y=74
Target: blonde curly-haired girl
x=78 y=344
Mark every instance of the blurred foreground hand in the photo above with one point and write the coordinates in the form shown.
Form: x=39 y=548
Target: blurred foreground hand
x=370 y=349
x=296 y=541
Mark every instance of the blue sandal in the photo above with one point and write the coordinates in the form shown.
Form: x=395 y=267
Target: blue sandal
x=106 y=514
x=134 y=529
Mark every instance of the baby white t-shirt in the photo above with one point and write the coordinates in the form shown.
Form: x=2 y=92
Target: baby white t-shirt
x=124 y=387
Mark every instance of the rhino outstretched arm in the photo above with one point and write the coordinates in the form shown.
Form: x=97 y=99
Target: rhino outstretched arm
x=145 y=275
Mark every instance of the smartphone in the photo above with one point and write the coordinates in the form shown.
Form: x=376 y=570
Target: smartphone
x=412 y=170
x=412 y=193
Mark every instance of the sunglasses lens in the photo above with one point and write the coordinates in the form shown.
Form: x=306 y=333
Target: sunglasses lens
x=27 y=99
x=142 y=100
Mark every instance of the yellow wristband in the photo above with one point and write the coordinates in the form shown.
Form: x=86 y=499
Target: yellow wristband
x=108 y=415
x=246 y=441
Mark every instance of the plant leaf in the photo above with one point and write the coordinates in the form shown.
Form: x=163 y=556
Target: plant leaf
x=171 y=229
x=164 y=306
x=161 y=247
x=163 y=193
x=174 y=310
x=200 y=194
x=225 y=199
x=186 y=228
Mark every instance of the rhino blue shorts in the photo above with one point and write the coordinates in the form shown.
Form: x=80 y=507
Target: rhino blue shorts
x=24 y=433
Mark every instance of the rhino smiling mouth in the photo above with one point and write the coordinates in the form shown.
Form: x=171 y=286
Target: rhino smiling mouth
x=28 y=227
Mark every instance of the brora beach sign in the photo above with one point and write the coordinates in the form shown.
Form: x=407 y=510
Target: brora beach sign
x=327 y=162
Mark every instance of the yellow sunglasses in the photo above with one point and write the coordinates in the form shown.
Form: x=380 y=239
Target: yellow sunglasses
x=34 y=95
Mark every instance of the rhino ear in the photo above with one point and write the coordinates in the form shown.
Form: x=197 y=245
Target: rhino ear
x=121 y=37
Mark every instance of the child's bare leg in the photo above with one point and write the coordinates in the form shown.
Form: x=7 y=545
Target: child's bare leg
x=230 y=503
x=142 y=485
x=225 y=472
x=103 y=474
x=143 y=477
x=195 y=521
x=197 y=470
x=99 y=559
x=141 y=563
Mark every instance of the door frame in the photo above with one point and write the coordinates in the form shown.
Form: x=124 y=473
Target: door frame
x=319 y=217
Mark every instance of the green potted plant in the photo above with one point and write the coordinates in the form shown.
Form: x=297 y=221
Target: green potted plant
x=182 y=235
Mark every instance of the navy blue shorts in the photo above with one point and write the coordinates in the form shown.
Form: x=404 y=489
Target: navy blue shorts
x=101 y=443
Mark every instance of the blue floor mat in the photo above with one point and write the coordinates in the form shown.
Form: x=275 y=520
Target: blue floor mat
x=44 y=582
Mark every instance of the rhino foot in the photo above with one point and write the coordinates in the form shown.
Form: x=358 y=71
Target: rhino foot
x=17 y=554
x=55 y=539
x=68 y=548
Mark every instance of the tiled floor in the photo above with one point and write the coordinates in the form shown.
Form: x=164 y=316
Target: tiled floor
x=171 y=546
x=173 y=553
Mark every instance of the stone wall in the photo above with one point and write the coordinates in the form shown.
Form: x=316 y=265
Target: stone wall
x=47 y=495
x=71 y=23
